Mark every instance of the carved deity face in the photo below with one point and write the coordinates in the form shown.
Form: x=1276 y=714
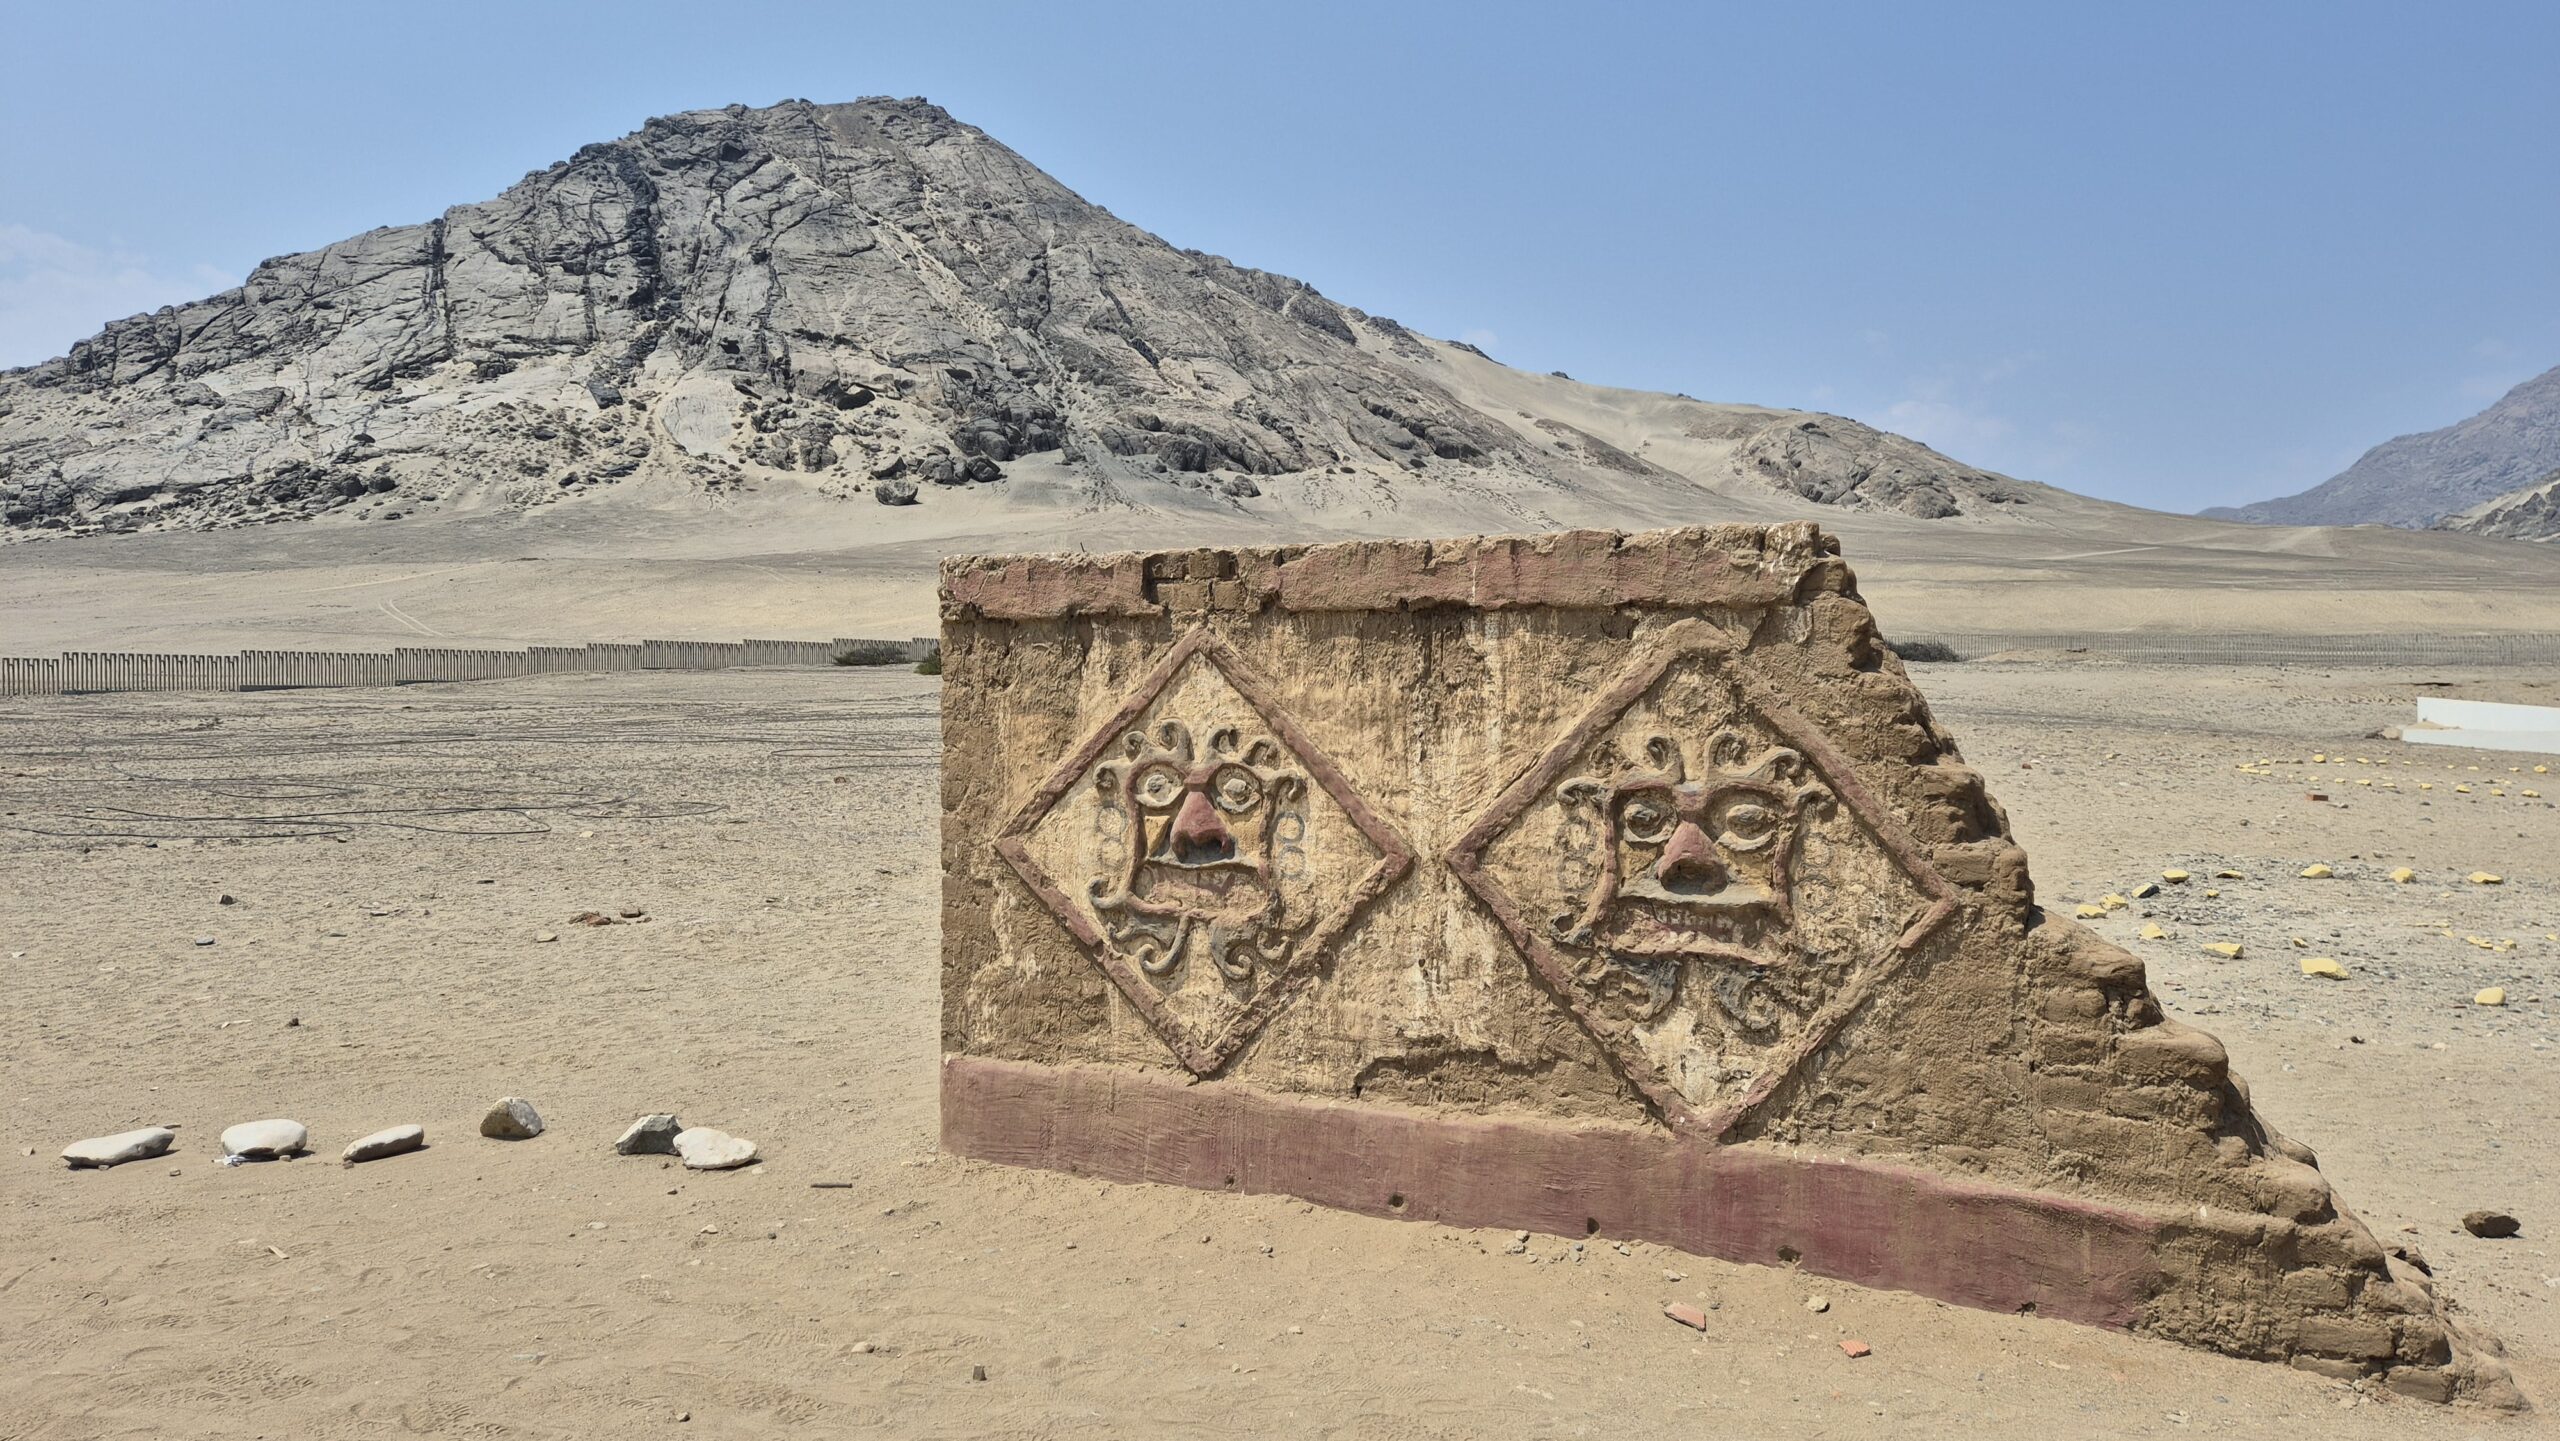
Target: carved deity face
x=1692 y=863
x=1199 y=830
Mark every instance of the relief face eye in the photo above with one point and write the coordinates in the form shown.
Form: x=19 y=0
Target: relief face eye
x=1744 y=823
x=1648 y=819
x=1236 y=790
x=1157 y=787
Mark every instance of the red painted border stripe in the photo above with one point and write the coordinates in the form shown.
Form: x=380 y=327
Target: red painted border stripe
x=1877 y=1225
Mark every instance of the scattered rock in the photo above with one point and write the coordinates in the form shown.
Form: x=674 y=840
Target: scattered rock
x=652 y=1135
x=2174 y=876
x=2228 y=950
x=2490 y=996
x=546 y=937
x=2486 y=878
x=265 y=1140
x=2146 y=890
x=2092 y=912
x=2491 y=1225
x=2317 y=873
x=704 y=1149
x=1817 y=1304
x=99 y=1152
x=1855 y=1349
x=512 y=1119
x=1687 y=1315
x=632 y=913
x=591 y=918
x=977 y=1373
x=2152 y=931
x=2403 y=875
x=2324 y=968
x=226 y=901
x=894 y=492
x=397 y=1141
x=204 y=940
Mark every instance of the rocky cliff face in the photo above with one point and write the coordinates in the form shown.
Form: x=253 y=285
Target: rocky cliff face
x=2415 y=479
x=2532 y=513
x=865 y=299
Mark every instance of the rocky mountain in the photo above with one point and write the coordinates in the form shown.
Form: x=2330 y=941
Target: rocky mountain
x=868 y=301
x=2415 y=479
x=2532 y=513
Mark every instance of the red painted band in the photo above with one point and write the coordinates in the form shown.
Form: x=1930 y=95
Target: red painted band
x=1877 y=1225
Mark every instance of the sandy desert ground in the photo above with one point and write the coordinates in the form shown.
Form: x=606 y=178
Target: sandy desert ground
x=395 y=859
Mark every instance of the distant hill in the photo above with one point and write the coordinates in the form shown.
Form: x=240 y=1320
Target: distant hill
x=2415 y=480
x=735 y=309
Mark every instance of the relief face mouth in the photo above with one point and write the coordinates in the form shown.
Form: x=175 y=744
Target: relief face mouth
x=1726 y=926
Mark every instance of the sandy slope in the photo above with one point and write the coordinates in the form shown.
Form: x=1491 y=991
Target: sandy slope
x=661 y=560
x=779 y=830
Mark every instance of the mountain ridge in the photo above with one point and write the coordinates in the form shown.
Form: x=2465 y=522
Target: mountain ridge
x=2422 y=478
x=869 y=300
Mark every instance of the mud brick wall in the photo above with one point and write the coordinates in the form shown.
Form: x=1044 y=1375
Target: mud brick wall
x=1602 y=883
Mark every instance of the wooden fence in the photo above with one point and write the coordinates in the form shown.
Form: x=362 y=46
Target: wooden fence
x=87 y=672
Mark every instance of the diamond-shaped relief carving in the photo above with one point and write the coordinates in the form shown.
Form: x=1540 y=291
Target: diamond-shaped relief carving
x=1697 y=874
x=1203 y=851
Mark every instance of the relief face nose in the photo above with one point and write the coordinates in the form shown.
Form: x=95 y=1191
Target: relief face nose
x=1198 y=835
x=1688 y=859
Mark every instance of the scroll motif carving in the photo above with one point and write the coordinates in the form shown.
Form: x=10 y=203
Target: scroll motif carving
x=1210 y=852
x=1697 y=875
x=1199 y=831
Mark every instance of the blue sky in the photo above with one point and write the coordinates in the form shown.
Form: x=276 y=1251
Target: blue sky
x=2177 y=255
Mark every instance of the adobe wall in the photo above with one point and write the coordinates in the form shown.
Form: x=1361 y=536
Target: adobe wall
x=1595 y=883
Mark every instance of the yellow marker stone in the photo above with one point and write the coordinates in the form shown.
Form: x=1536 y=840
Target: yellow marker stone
x=2299 y=943
x=2091 y=913
x=2228 y=950
x=2113 y=902
x=2174 y=877
x=2542 y=770
x=2486 y=878
x=2227 y=875
x=2146 y=890
x=2462 y=790
x=2317 y=873
x=2321 y=759
x=2533 y=795
x=2493 y=996
x=2403 y=876
x=2324 y=968
x=2210 y=893
x=2151 y=931
x=2426 y=785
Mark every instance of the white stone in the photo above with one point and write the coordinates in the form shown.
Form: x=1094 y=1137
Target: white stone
x=115 y=1150
x=265 y=1140
x=512 y=1119
x=652 y=1135
x=398 y=1140
x=705 y=1149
